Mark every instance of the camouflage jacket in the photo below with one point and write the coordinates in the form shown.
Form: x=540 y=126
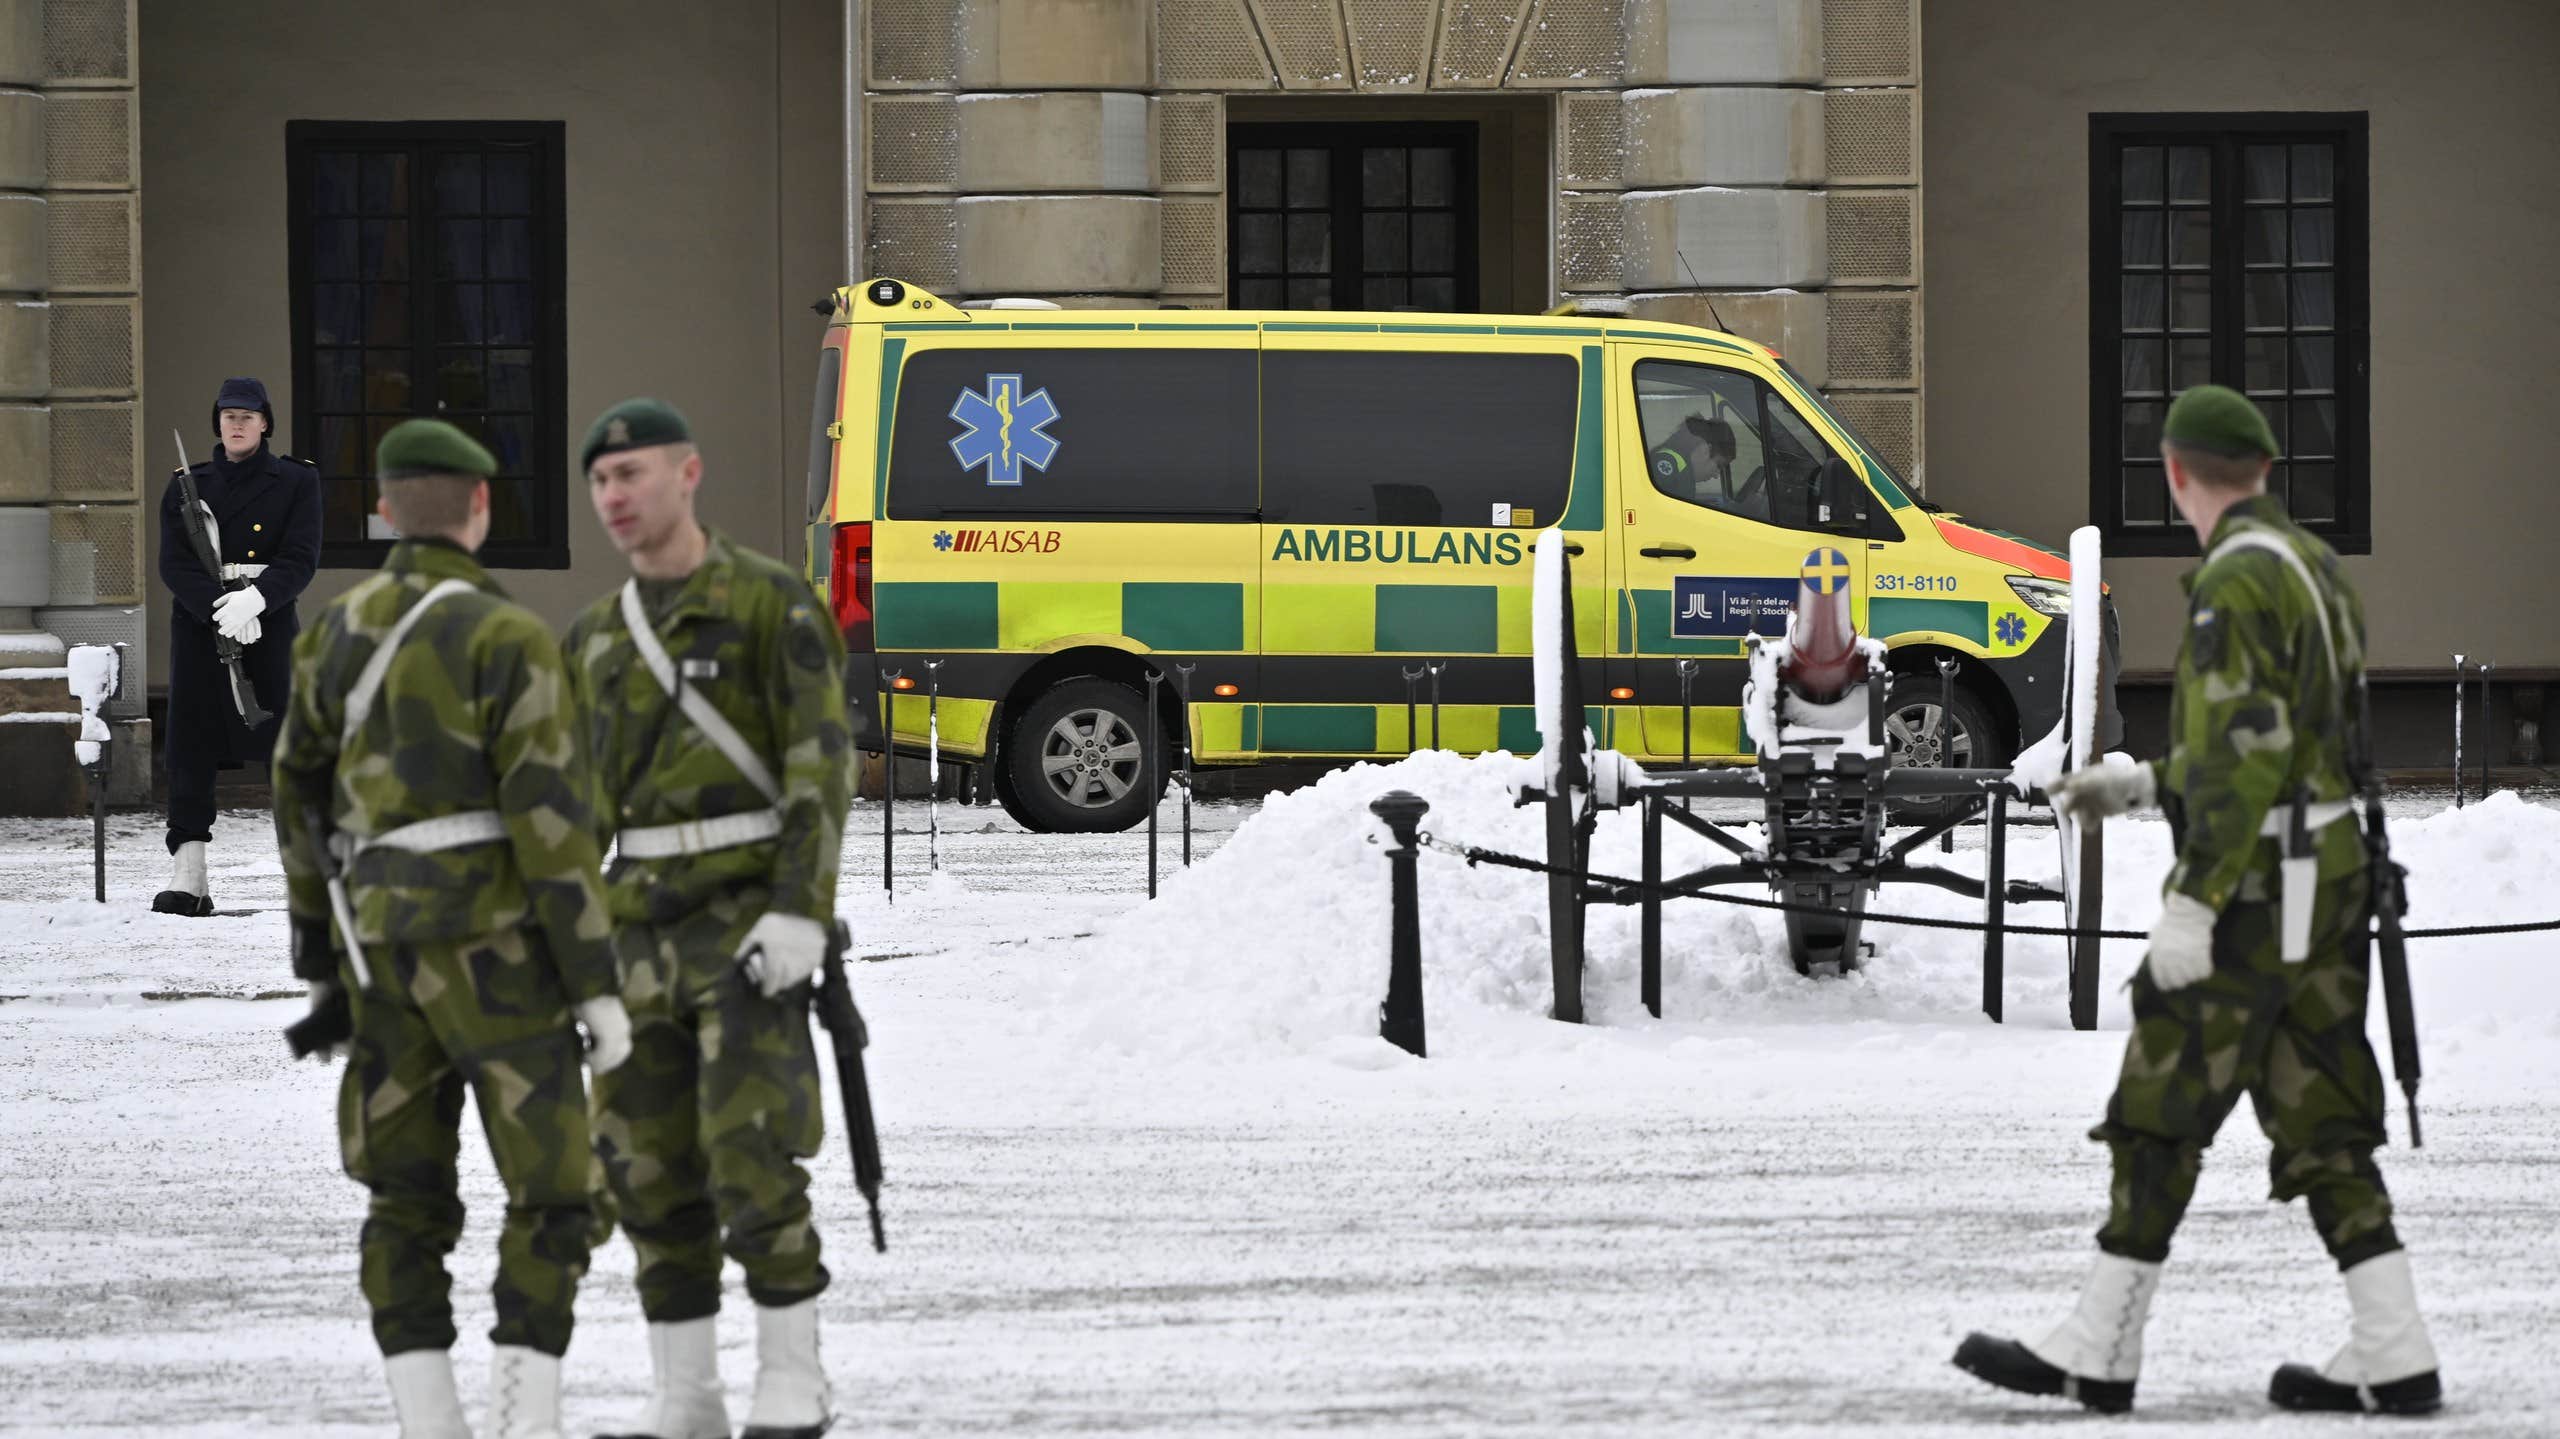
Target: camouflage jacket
x=473 y=714
x=756 y=643
x=2259 y=713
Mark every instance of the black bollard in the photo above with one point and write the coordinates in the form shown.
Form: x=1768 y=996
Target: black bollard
x=1995 y=909
x=1182 y=687
x=1400 y=1018
x=98 y=821
x=1946 y=729
x=1649 y=977
x=1688 y=672
x=888 y=787
x=1148 y=768
x=2485 y=667
x=1436 y=667
x=2458 y=683
x=1412 y=707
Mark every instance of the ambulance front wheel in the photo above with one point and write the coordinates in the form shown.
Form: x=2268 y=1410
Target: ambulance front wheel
x=1076 y=759
x=1921 y=730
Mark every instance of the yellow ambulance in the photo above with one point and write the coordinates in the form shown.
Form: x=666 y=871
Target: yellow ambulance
x=1301 y=521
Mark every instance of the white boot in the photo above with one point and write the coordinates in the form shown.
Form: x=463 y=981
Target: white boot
x=2387 y=1366
x=422 y=1395
x=684 y=1397
x=791 y=1390
x=2103 y=1337
x=524 y=1394
x=190 y=868
x=187 y=894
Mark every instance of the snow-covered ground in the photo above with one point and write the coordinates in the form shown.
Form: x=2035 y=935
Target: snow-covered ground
x=1151 y=1172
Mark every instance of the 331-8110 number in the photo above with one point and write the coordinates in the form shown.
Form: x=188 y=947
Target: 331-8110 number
x=1915 y=584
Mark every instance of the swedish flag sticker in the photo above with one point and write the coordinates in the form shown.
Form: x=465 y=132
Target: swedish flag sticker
x=1826 y=572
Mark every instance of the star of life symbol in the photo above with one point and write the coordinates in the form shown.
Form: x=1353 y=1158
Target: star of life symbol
x=2013 y=628
x=1006 y=429
x=942 y=539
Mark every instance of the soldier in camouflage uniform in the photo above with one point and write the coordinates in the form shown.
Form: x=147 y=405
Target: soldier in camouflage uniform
x=429 y=753
x=2256 y=976
x=729 y=811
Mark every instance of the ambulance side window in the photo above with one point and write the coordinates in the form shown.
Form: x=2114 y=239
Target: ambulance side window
x=1724 y=440
x=1392 y=437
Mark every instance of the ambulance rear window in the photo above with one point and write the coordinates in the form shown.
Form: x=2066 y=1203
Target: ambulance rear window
x=1397 y=438
x=1118 y=433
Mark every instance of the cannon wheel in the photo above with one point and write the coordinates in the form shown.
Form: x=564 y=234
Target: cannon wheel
x=1569 y=825
x=2084 y=880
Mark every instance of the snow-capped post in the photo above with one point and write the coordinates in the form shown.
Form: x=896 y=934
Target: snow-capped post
x=1182 y=690
x=1946 y=732
x=1563 y=763
x=96 y=674
x=2485 y=667
x=2084 y=853
x=1150 y=772
x=933 y=766
x=1436 y=667
x=2457 y=729
x=889 y=785
x=1400 y=1018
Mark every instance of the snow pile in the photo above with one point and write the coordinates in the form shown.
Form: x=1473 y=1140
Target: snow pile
x=92 y=673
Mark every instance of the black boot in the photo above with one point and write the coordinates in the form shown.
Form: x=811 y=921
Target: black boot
x=2009 y=1364
x=2303 y=1388
x=2386 y=1336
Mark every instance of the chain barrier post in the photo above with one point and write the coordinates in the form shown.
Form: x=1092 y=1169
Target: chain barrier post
x=1400 y=1018
x=1412 y=706
x=1182 y=687
x=1436 y=666
x=933 y=766
x=1688 y=672
x=1149 y=763
x=2458 y=683
x=1651 y=927
x=2485 y=667
x=1995 y=905
x=1946 y=732
x=889 y=785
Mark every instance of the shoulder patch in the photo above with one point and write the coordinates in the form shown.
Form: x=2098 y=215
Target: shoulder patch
x=807 y=650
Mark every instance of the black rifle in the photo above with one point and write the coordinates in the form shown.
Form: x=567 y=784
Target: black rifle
x=332 y=1020
x=2390 y=902
x=244 y=696
x=833 y=996
x=331 y=1023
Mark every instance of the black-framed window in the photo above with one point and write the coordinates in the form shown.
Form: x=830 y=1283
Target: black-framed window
x=2231 y=249
x=427 y=263
x=1351 y=217
x=1384 y=437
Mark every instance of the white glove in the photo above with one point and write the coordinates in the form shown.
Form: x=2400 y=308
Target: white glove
x=2181 y=943
x=2116 y=784
x=235 y=613
x=608 y=1033
x=782 y=950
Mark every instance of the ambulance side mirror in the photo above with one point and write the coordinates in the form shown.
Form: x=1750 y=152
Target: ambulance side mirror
x=1840 y=498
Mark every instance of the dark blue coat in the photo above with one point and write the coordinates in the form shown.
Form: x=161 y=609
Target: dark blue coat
x=269 y=514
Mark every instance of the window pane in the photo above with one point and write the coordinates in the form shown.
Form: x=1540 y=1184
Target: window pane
x=2315 y=427
x=1258 y=244
x=2263 y=302
x=2274 y=411
x=1258 y=295
x=386 y=185
x=386 y=380
x=1380 y=292
x=386 y=320
x=510 y=177
x=2190 y=302
x=2146 y=495
x=2262 y=173
x=2313 y=301
x=1258 y=179
x=510 y=440
x=2315 y=237
x=511 y=314
x=333 y=250
x=2190 y=174
x=2142 y=429
x=1382 y=244
x=2314 y=363
x=2262 y=237
x=1134 y=432
x=1415 y=439
x=338 y=375
x=1310 y=179
x=2142 y=175
x=382 y=249
x=511 y=515
x=822 y=416
x=462 y=381
x=2145 y=370
x=510 y=249
x=457 y=184
x=1435 y=175
x=1435 y=243
x=2142 y=244
x=1382 y=175
x=2314 y=172
x=2144 y=299
x=2315 y=492
x=2262 y=362
x=460 y=311
x=2190 y=363
x=1310 y=244
x=2190 y=238
x=345 y=501
x=1310 y=294
x=458 y=250
x=1436 y=294
x=511 y=379
x=337 y=314
x=333 y=183
x=342 y=449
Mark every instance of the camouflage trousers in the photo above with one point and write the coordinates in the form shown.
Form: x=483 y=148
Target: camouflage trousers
x=704 y=1130
x=488 y=1015
x=2292 y=1038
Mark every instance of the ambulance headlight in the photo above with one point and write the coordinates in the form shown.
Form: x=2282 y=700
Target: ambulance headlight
x=2046 y=597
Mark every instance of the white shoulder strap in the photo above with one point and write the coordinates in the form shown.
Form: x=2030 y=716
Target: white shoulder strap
x=369 y=680
x=2245 y=537
x=705 y=715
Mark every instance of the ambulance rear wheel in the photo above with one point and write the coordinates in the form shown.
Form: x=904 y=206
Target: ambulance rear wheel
x=1076 y=760
x=1916 y=738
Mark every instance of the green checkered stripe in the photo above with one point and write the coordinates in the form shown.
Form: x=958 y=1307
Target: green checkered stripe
x=986 y=615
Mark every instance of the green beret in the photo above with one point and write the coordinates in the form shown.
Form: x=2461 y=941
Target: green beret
x=2223 y=421
x=633 y=425
x=430 y=447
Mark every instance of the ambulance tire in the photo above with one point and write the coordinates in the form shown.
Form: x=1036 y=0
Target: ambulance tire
x=1911 y=706
x=1061 y=724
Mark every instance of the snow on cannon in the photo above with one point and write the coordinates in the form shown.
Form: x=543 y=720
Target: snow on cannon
x=1814 y=714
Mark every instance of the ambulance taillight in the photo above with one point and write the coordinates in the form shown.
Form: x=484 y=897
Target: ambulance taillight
x=851 y=592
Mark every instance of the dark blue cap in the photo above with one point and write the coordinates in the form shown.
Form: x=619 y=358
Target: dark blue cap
x=243 y=394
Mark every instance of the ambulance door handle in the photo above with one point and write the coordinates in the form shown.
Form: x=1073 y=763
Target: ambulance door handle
x=1668 y=552
x=1573 y=547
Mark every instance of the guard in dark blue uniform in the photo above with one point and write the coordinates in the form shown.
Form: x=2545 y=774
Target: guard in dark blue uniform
x=264 y=513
